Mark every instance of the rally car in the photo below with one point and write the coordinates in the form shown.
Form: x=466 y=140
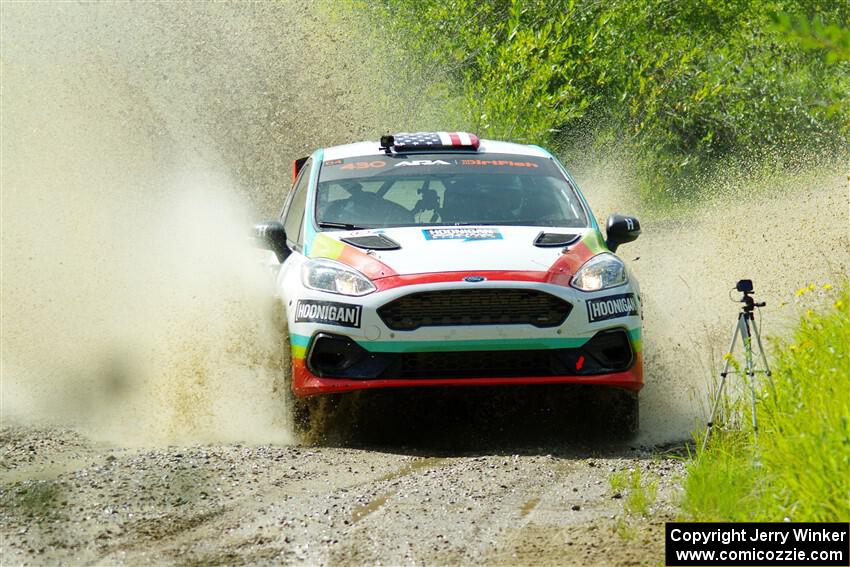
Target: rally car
x=438 y=259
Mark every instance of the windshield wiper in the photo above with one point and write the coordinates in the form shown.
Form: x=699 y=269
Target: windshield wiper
x=342 y=226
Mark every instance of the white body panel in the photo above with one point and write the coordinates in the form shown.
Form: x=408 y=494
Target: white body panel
x=514 y=251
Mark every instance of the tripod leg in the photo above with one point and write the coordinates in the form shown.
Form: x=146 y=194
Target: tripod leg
x=719 y=395
x=751 y=375
x=764 y=359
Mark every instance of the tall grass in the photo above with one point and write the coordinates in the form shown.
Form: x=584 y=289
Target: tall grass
x=798 y=467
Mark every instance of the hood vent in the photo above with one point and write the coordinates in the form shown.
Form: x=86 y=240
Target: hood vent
x=554 y=239
x=372 y=242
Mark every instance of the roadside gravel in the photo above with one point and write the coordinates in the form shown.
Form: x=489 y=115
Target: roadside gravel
x=66 y=500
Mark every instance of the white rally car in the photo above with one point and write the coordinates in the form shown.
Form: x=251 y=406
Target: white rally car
x=437 y=259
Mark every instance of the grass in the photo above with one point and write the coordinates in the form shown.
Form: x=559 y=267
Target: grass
x=799 y=465
x=638 y=493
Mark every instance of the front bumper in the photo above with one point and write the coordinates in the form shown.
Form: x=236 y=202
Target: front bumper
x=337 y=356
x=328 y=358
x=305 y=383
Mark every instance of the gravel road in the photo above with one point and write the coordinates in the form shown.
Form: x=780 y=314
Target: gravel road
x=460 y=496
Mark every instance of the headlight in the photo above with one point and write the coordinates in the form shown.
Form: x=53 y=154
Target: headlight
x=333 y=277
x=600 y=272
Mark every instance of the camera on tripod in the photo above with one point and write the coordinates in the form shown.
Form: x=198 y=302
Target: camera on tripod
x=746 y=287
x=746 y=329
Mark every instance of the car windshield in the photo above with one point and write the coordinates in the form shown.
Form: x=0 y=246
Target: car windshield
x=445 y=190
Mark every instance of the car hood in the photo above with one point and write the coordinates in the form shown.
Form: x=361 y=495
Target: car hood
x=456 y=249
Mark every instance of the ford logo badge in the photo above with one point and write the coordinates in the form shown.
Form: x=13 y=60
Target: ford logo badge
x=474 y=279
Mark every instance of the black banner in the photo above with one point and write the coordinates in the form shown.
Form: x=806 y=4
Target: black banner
x=751 y=543
x=329 y=312
x=611 y=307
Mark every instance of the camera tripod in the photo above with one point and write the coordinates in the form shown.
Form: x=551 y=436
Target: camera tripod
x=746 y=328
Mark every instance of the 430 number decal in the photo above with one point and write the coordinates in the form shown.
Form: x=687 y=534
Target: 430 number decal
x=365 y=165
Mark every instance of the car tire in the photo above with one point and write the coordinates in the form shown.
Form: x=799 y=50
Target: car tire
x=297 y=409
x=614 y=412
x=625 y=413
x=299 y=414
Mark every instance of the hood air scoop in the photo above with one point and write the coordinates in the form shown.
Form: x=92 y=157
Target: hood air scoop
x=553 y=239
x=372 y=242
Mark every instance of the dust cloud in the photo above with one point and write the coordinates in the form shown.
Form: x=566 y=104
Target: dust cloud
x=140 y=140
x=138 y=144
x=784 y=232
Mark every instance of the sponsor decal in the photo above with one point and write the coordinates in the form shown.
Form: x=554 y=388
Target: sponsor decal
x=332 y=162
x=421 y=162
x=498 y=162
x=462 y=233
x=328 y=312
x=377 y=164
x=611 y=307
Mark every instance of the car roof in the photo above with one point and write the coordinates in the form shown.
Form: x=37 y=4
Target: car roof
x=359 y=149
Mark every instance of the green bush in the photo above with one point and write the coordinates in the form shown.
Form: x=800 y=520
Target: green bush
x=681 y=85
x=799 y=466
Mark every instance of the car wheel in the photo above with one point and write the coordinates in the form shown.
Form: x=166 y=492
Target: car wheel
x=625 y=413
x=615 y=412
x=299 y=413
x=297 y=409
x=314 y=419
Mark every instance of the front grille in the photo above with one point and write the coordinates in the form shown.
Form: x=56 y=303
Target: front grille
x=474 y=307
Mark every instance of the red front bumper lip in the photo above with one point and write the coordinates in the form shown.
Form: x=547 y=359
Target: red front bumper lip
x=305 y=383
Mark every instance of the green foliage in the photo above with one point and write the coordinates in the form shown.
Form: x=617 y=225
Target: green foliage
x=833 y=40
x=640 y=493
x=799 y=466
x=723 y=483
x=808 y=421
x=830 y=41
x=679 y=84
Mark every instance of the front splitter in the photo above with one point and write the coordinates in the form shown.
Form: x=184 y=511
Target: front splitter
x=305 y=383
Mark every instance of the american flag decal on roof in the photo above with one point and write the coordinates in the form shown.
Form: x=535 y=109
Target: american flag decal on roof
x=434 y=141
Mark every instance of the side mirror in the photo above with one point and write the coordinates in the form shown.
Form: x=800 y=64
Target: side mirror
x=619 y=230
x=271 y=235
